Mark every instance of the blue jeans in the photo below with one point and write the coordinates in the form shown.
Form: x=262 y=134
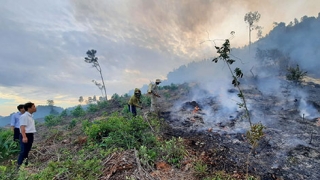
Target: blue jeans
x=132 y=109
x=25 y=148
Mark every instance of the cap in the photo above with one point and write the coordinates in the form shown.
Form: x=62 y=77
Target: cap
x=158 y=81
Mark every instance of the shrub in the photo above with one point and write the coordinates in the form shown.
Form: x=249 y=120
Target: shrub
x=64 y=113
x=120 y=132
x=103 y=104
x=145 y=101
x=174 y=151
x=52 y=120
x=72 y=124
x=7 y=145
x=295 y=75
x=78 y=111
x=200 y=168
x=92 y=108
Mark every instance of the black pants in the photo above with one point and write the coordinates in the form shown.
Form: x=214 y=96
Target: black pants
x=16 y=134
x=25 y=147
x=132 y=109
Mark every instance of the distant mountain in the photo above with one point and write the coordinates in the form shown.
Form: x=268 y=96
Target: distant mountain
x=42 y=111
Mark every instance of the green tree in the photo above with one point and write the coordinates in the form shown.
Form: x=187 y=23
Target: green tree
x=94 y=60
x=295 y=75
x=81 y=99
x=251 y=18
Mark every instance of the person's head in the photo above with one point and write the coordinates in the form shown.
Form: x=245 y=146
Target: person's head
x=158 y=81
x=21 y=108
x=137 y=92
x=30 y=107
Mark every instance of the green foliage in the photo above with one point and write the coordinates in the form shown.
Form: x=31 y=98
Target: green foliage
x=220 y=175
x=115 y=97
x=78 y=112
x=200 y=168
x=171 y=87
x=68 y=169
x=117 y=131
x=72 y=124
x=145 y=101
x=295 y=75
x=147 y=156
x=52 y=120
x=7 y=145
x=255 y=134
x=173 y=151
x=64 y=113
x=103 y=104
x=92 y=108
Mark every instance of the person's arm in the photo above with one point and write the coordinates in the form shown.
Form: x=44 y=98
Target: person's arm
x=12 y=122
x=23 y=133
x=136 y=103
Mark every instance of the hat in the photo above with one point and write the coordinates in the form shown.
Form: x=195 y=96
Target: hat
x=158 y=81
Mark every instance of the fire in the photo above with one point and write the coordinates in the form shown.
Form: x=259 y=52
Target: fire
x=195 y=110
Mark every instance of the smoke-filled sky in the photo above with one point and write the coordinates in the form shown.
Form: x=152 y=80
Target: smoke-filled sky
x=43 y=43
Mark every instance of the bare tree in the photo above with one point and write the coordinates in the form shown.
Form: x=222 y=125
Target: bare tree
x=251 y=18
x=94 y=60
x=99 y=85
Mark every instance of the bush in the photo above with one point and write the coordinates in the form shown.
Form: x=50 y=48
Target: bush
x=78 y=112
x=295 y=75
x=92 y=108
x=103 y=104
x=7 y=145
x=52 y=120
x=72 y=124
x=120 y=132
x=145 y=101
x=64 y=113
x=173 y=151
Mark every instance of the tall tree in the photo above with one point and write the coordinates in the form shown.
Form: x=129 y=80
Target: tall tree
x=99 y=85
x=94 y=60
x=251 y=18
x=80 y=99
x=50 y=102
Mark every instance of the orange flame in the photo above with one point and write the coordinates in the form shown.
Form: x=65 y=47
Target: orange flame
x=195 y=110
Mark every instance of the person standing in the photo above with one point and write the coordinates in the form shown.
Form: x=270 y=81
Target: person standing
x=153 y=90
x=27 y=129
x=15 y=124
x=134 y=102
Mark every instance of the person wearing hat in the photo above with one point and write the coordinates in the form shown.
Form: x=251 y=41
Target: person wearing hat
x=134 y=102
x=154 y=95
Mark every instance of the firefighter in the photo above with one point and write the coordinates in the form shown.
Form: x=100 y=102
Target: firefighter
x=135 y=102
x=153 y=91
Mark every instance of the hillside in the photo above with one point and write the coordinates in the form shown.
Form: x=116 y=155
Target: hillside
x=104 y=145
x=286 y=44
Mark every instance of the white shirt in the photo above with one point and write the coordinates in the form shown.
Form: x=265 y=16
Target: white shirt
x=27 y=120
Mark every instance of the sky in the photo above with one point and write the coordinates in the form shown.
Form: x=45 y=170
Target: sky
x=43 y=43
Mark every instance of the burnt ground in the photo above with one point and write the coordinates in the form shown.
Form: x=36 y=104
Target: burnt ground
x=290 y=148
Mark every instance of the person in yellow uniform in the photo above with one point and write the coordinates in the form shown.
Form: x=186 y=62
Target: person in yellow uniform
x=135 y=102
